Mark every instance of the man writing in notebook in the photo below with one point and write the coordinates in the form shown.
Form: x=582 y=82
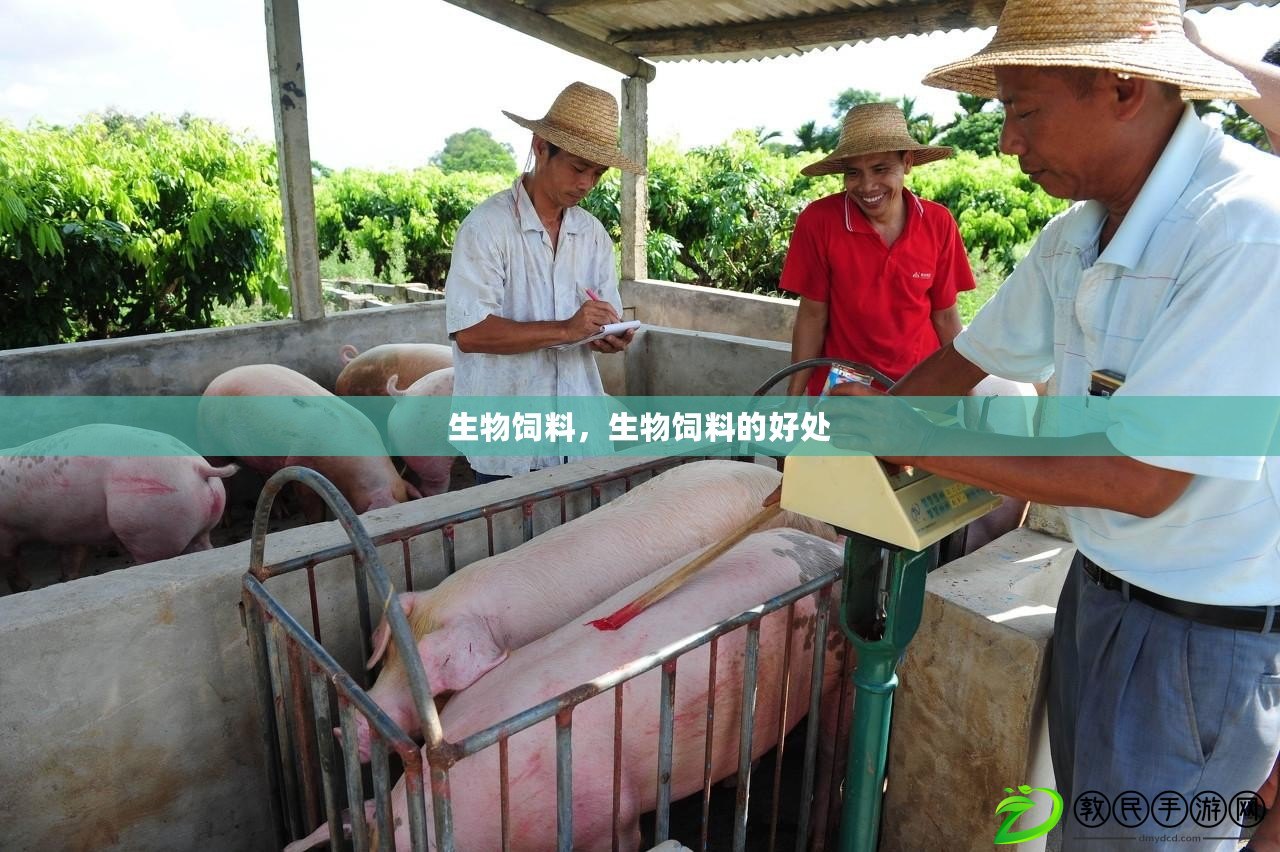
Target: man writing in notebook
x=531 y=271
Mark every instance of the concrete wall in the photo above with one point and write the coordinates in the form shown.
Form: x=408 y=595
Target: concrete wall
x=664 y=303
x=969 y=714
x=183 y=363
x=127 y=711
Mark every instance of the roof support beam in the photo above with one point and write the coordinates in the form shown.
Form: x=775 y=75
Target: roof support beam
x=633 y=201
x=553 y=32
x=555 y=7
x=293 y=155
x=844 y=27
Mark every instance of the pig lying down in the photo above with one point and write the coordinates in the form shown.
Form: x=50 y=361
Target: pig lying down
x=762 y=566
x=367 y=481
x=159 y=500
x=366 y=373
x=468 y=623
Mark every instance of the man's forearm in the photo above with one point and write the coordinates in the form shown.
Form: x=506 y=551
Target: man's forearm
x=1084 y=470
x=498 y=336
x=944 y=373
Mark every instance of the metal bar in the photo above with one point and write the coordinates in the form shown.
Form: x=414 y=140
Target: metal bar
x=324 y=737
x=315 y=603
x=814 y=718
x=415 y=796
x=532 y=715
x=708 y=752
x=784 y=704
x=527 y=511
x=280 y=689
x=746 y=736
x=298 y=706
x=447 y=533
x=504 y=791
x=381 y=772
x=406 y=557
x=666 y=737
x=488 y=521
x=617 y=765
x=355 y=791
x=266 y=713
x=339 y=550
x=564 y=780
x=441 y=809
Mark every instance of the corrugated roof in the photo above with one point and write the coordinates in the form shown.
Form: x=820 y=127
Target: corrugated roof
x=620 y=32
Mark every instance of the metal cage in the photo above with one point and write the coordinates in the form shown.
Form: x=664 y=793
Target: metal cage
x=300 y=685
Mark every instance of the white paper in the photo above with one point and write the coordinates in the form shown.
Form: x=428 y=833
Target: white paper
x=611 y=328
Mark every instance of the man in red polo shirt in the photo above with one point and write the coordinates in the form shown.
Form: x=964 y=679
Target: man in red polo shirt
x=876 y=268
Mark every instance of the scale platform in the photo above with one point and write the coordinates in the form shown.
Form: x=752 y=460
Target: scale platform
x=911 y=509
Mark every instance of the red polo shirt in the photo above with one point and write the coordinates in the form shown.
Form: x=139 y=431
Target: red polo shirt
x=879 y=298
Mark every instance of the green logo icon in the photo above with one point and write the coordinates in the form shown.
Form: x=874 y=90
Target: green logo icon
x=1015 y=805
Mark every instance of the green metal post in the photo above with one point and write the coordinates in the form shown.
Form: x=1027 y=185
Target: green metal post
x=880 y=610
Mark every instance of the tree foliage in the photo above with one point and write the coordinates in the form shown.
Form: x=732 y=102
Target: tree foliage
x=124 y=225
x=476 y=150
x=412 y=215
x=978 y=132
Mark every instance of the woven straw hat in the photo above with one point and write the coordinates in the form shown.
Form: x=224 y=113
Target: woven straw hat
x=583 y=120
x=1139 y=37
x=870 y=129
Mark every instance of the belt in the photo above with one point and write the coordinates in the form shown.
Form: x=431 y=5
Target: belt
x=1255 y=619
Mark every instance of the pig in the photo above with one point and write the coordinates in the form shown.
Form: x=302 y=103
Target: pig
x=159 y=500
x=367 y=481
x=760 y=567
x=403 y=423
x=366 y=373
x=469 y=622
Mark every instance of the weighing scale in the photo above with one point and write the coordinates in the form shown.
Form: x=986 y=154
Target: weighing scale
x=892 y=521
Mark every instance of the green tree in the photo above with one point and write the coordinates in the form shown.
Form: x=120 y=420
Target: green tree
x=476 y=150
x=978 y=132
x=972 y=104
x=920 y=125
x=850 y=98
x=1236 y=123
x=125 y=225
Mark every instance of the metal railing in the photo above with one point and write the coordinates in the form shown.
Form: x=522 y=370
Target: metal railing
x=299 y=683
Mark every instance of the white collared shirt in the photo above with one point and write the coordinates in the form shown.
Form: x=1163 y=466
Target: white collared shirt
x=1184 y=301
x=503 y=265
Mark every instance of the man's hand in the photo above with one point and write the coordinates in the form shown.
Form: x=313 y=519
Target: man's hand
x=590 y=319
x=614 y=342
x=860 y=427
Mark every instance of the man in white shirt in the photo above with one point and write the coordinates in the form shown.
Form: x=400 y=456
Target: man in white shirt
x=531 y=271
x=1164 y=282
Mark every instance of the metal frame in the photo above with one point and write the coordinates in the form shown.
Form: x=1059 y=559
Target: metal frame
x=298 y=680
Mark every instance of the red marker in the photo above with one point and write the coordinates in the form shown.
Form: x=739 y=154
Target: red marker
x=591 y=294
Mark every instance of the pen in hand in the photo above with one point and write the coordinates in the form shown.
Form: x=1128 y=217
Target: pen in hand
x=591 y=294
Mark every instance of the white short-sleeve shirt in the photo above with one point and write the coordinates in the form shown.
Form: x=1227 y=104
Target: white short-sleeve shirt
x=503 y=265
x=1184 y=301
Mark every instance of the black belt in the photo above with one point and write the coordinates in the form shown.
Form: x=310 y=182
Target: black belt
x=1255 y=619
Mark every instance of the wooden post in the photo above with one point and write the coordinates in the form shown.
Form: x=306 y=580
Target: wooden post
x=634 y=198
x=293 y=155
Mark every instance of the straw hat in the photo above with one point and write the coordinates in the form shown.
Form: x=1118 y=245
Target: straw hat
x=1139 y=37
x=870 y=129
x=583 y=121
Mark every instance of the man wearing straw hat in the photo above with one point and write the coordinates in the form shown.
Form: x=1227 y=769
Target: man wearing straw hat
x=876 y=268
x=532 y=273
x=1163 y=281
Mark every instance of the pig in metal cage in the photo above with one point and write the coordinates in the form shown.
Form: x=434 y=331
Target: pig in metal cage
x=299 y=684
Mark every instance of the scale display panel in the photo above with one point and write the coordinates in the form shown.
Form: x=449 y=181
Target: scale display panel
x=911 y=508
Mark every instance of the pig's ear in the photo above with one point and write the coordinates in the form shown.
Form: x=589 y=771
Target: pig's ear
x=458 y=655
x=382 y=635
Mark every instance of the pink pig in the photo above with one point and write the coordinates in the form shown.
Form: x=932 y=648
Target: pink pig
x=366 y=373
x=760 y=567
x=404 y=423
x=367 y=481
x=155 y=495
x=469 y=622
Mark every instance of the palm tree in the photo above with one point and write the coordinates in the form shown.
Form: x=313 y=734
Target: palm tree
x=972 y=104
x=920 y=125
